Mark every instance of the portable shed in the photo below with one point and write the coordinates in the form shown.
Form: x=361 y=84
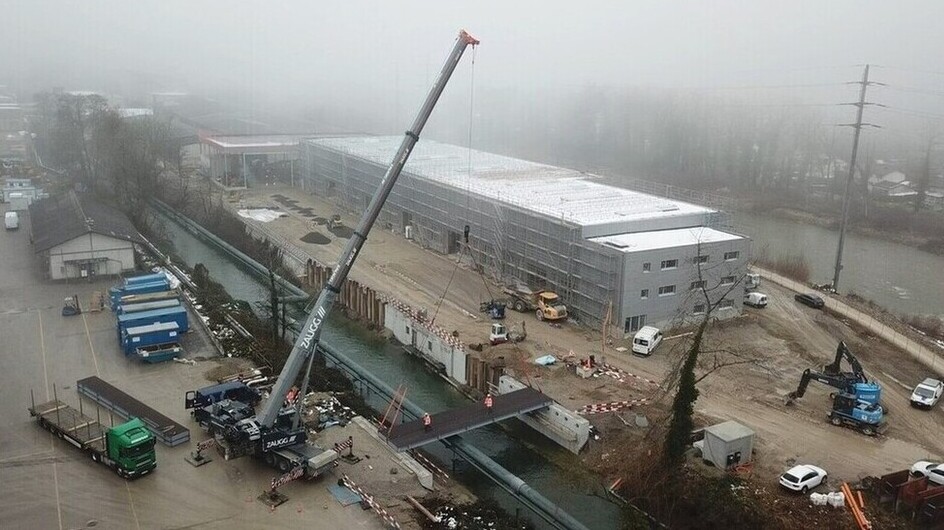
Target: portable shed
x=728 y=444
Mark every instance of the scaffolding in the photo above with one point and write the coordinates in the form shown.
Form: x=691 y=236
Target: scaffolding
x=528 y=223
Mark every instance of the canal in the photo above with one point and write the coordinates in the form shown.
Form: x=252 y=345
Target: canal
x=548 y=468
x=898 y=277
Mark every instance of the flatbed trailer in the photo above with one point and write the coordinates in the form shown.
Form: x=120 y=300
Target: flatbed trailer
x=165 y=429
x=90 y=436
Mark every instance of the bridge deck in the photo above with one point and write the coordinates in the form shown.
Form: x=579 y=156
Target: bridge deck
x=451 y=422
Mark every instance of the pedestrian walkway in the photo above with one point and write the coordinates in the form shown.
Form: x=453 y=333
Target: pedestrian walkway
x=919 y=351
x=451 y=422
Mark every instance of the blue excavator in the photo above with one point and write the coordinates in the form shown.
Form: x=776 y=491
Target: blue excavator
x=857 y=404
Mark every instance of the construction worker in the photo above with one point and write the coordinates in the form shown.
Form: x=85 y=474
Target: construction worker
x=427 y=422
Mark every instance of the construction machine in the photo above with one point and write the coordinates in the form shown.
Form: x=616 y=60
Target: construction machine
x=500 y=334
x=71 y=306
x=276 y=434
x=856 y=404
x=547 y=305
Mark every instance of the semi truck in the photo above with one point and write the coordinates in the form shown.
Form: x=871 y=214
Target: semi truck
x=128 y=448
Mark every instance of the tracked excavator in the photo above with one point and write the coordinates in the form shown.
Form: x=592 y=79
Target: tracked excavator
x=857 y=404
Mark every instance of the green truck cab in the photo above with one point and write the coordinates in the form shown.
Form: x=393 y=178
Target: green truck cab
x=131 y=446
x=127 y=448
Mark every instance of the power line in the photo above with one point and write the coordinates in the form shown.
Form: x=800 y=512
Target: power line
x=916 y=90
x=772 y=87
x=914 y=70
x=911 y=112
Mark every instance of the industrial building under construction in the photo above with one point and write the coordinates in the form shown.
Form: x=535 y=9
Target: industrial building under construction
x=596 y=245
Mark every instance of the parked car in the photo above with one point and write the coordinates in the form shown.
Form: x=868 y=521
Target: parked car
x=11 y=220
x=755 y=299
x=927 y=393
x=803 y=478
x=811 y=300
x=934 y=472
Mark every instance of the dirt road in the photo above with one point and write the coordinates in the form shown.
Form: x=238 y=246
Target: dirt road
x=785 y=338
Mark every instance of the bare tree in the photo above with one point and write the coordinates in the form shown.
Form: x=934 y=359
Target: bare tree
x=713 y=297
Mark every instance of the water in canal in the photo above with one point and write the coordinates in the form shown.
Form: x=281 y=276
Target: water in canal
x=900 y=278
x=548 y=468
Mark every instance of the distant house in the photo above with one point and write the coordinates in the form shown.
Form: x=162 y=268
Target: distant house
x=934 y=198
x=893 y=190
x=79 y=237
x=895 y=176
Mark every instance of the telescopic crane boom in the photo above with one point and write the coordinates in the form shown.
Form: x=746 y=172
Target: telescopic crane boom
x=304 y=347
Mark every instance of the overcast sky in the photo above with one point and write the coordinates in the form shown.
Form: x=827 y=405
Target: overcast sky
x=389 y=51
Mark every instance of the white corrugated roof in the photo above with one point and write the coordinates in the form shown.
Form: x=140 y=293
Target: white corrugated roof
x=640 y=241
x=559 y=193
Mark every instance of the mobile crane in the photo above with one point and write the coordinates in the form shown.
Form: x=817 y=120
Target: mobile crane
x=856 y=404
x=275 y=434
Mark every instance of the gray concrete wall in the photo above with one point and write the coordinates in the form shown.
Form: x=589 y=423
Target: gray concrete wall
x=565 y=427
x=661 y=311
x=429 y=344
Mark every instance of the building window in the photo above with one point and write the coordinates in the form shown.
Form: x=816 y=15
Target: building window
x=666 y=290
x=644 y=294
x=700 y=259
x=698 y=309
x=646 y=266
x=731 y=256
x=669 y=264
x=727 y=303
x=700 y=284
x=634 y=323
x=727 y=280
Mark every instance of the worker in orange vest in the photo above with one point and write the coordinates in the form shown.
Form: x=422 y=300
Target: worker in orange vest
x=488 y=402
x=427 y=422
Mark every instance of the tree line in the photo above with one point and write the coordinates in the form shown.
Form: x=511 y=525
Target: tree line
x=100 y=151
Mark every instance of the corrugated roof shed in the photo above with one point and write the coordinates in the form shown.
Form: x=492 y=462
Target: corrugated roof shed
x=59 y=219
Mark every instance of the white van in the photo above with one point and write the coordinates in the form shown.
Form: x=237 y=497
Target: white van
x=11 y=220
x=646 y=340
x=755 y=299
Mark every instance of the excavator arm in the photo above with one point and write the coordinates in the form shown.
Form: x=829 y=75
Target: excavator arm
x=835 y=369
x=835 y=381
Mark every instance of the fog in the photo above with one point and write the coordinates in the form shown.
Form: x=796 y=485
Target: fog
x=364 y=66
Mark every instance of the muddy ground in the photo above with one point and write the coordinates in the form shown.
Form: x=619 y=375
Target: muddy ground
x=784 y=339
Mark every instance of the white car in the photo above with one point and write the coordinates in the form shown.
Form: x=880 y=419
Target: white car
x=934 y=472
x=927 y=393
x=803 y=478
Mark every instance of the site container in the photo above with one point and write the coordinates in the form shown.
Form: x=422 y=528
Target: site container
x=176 y=314
x=149 y=335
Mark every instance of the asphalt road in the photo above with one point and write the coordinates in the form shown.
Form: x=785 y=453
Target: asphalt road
x=46 y=483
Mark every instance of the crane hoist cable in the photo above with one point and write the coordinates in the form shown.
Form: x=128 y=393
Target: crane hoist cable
x=468 y=193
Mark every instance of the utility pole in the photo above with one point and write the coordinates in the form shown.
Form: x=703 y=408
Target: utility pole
x=846 y=199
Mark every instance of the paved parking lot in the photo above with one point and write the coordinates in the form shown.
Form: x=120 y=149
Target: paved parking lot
x=46 y=483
